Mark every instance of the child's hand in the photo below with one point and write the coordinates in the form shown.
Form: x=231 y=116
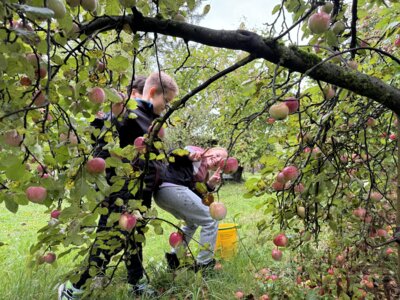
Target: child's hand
x=215 y=178
x=195 y=156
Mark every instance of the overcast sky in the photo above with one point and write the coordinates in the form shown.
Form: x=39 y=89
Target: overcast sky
x=228 y=14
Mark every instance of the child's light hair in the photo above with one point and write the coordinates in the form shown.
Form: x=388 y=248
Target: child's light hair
x=163 y=83
x=219 y=149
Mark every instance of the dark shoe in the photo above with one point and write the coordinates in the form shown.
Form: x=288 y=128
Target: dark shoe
x=205 y=267
x=172 y=260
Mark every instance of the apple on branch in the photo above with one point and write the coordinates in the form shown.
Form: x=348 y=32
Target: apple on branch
x=217 y=211
x=281 y=240
x=175 y=239
x=96 y=165
x=127 y=221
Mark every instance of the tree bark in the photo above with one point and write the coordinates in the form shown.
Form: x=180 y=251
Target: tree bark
x=273 y=51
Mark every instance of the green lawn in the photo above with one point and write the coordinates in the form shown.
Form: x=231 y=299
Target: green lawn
x=18 y=281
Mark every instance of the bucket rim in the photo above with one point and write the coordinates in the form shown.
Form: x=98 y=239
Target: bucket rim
x=227 y=226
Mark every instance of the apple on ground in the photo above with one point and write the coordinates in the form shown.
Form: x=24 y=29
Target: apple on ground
x=239 y=295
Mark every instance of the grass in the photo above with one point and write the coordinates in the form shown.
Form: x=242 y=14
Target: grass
x=18 y=281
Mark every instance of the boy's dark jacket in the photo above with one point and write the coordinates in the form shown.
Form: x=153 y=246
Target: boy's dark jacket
x=128 y=129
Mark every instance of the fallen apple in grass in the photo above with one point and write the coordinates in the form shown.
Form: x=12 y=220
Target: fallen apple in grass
x=175 y=239
x=127 y=221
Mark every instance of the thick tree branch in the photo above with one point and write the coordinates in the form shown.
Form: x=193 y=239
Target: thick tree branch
x=291 y=57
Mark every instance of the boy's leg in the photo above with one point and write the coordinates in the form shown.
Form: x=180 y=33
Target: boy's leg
x=185 y=204
x=134 y=259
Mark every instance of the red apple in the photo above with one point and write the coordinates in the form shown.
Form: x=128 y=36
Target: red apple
x=331 y=271
x=140 y=144
x=376 y=196
x=161 y=133
x=127 y=221
x=239 y=295
x=96 y=165
x=230 y=166
x=118 y=108
x=389 y=251
x=264 y=297
x=25 y=81
x=276 y=254
x=281 y=178
x=382 y=232
x=392 y=137
x=279 y=111
x=359 y=212
x=49 y=257
x=278 y=186
x=329 y=92
x=397 y=42
x=175 y=239
x=36 y=194
x=370 y=122
x=281 y=240
x=217 y=211
x=299 y=188
x=97 y=95
x=340 y=259
x=290 y=173
x=293 y=104
x=319 y=22
x=270 y=120
x=39 y=98
x=12 y=138
x=55 y=214
x=100 y=66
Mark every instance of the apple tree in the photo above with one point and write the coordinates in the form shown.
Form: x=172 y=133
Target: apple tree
x=314 y=95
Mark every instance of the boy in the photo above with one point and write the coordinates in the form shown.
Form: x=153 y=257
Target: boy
x=158 y=90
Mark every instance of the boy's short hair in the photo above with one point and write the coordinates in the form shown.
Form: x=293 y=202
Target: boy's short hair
x=219 y=149
x=137 y=84
x=163 y=83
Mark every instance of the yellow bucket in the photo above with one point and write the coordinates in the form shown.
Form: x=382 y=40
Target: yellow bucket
x=227 y=240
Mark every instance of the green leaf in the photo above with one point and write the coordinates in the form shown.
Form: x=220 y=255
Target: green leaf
x=276 y=9
x=11 y=205
x=118 y=64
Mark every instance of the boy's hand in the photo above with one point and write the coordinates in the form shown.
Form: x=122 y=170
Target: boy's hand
x=215 y=178
x=195 y=156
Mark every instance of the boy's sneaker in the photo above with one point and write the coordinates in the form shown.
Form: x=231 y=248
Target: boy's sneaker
x=66 y=291
x=172 y=260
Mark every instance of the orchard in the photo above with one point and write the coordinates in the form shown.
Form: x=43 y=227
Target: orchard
x=308 y=101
